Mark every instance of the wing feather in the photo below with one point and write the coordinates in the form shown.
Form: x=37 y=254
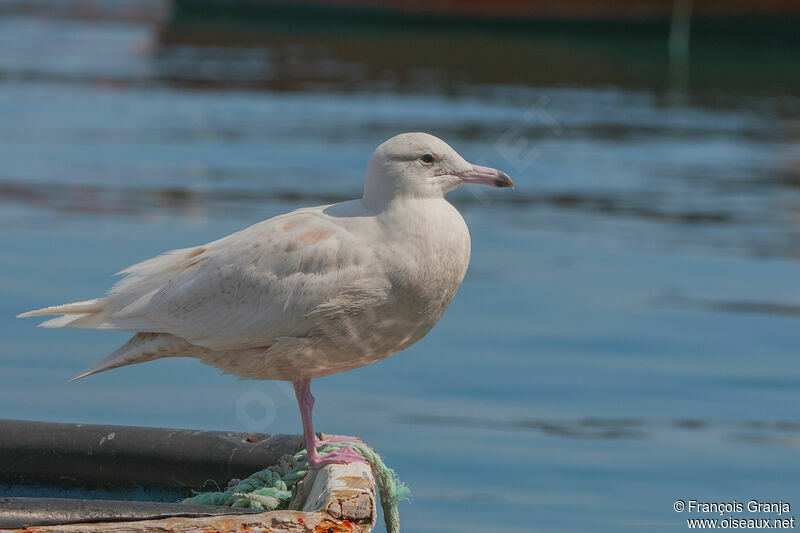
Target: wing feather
x=244 y=290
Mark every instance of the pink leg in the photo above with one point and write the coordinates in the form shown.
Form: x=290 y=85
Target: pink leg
x=346 y=454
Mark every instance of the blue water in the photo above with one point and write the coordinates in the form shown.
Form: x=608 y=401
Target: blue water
x=626 y=335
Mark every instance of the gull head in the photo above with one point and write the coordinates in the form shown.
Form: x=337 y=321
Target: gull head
x=419 y=165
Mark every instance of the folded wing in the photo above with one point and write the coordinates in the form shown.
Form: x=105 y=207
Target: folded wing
x=242 y=291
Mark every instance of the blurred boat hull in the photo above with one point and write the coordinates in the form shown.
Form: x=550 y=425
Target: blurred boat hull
x=580 y=10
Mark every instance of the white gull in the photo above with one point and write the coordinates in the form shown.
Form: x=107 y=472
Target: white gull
x=307 y=294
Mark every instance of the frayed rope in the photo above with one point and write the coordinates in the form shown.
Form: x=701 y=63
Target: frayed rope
x=271 y=488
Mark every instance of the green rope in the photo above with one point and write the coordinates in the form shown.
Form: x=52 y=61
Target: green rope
x=271 y=488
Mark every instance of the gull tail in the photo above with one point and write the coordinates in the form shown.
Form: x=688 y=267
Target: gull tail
x=97 y=314
x=141 y=348
x=77 y=308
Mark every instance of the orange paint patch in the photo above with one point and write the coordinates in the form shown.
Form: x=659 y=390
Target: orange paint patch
x=289 y=225
x=326 y=526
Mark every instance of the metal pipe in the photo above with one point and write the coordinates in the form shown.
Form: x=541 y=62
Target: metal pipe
x=83 y=454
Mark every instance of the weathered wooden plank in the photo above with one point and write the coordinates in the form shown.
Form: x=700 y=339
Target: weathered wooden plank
x=346 y=492
x=271 y=522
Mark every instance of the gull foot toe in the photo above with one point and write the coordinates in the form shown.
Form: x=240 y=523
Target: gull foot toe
x=343 y=455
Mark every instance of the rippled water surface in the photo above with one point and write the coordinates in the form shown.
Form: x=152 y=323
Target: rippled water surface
x=627 y=334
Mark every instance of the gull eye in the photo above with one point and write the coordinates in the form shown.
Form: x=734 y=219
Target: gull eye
x=427 y=159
